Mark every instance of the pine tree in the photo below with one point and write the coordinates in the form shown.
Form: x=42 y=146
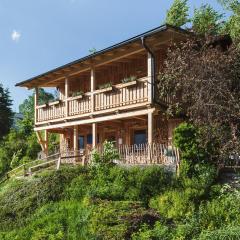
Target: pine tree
x=206 y=20
x=232 y=25
x=177 y=15
x=6 y=114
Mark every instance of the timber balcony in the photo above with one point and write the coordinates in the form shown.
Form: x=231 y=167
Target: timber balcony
x=117 y=97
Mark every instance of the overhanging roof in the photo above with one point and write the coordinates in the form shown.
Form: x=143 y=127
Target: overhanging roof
x=32 y=81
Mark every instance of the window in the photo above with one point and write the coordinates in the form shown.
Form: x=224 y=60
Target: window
x=89 y=139
x=140 y=137
x=81 y=142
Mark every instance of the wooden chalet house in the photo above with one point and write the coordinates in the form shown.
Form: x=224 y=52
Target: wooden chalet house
x=108 y=95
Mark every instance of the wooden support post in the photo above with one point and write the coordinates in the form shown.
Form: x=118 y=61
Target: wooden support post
x=66 y=96
x=36 y=104
x=40 y=140
x=75 y=142
x=150 y=127
x=46 y=142
x=150 y=78
x=150 y=136
x=92 y=88
x=94 y=135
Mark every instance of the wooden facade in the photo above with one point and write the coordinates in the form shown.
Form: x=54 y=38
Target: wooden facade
x=109 y=95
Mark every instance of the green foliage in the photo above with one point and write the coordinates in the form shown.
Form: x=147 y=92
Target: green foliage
x=105 y=85
x=56 y=221
x=121 y=184
x=177 y=15
x=159 y=231
x=78 y=93
x=129 y=79
x=206 y=20
x=175 y=204
x=113 y=203
x=27 y=107
x=193 y=156
x=221 y=211
x=21 y=145
x=107 y=219
x=186 y=139
x=107 y=156
x=19 y=202
x=6 y=114
x=229 y=233
x=232 y=25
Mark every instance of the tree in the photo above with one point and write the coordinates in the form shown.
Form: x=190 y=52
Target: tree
x=204 y=78
x=6 y=114
x=232 y=25
x=27 y=107
x=206 y=20
x=177 y=15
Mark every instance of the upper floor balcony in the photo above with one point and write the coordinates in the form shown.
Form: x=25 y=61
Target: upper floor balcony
x=115 y=97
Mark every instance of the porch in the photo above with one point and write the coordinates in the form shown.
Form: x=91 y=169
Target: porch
x=140 y=139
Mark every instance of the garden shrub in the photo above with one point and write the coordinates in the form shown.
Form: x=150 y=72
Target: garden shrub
x=107 y=156
x=175 y=204
x=219 y=212
x=55 y=221
x=20 y=201
x=159 y=231
x=228 y=233
x=117 y=183
x=119 y=219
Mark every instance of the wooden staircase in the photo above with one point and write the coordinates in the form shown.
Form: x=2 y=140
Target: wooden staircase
x=53 y=161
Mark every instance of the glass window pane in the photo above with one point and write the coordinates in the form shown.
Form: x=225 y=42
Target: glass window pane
x=81 y=142
x=140 y=137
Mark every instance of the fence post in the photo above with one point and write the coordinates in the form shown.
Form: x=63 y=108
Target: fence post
x=59 y=162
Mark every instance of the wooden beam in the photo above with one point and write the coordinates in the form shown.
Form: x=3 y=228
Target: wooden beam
x=105 y=60
x=94 y=135
x=93 y=86
x=150 y=127
x=130 y=114
x=66 y=95
x=75 y=138
x=46 y=141
x=36 y=104
x=41 y=141
x=150 y=78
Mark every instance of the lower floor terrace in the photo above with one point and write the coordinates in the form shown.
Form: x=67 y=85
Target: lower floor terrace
x=143 y=138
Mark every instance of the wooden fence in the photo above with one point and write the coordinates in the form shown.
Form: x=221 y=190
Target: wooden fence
x=143 y=154
x=147 y=154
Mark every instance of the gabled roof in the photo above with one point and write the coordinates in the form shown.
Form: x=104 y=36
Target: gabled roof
x=163 y=28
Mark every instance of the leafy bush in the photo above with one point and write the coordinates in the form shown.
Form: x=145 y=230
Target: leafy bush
x=21 y=200
x=62 y=220
x=229 y=233
x=119 y=219
x=175 y=204
x=159 y=231
x=186 y=139
x=118 y=183
x=220 y=212
x=107 y=156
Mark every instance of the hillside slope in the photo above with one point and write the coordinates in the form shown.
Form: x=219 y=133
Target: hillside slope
x=117 y=203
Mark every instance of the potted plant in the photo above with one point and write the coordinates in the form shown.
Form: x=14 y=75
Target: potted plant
x=106 y=87
x=129 y=81
x=78 y=94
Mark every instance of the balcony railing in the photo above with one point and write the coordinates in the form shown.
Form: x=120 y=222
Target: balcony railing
x=50 y=111
x=122 y=95
x=116 y=97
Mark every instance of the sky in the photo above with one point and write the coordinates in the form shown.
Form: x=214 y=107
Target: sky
x=39 y=35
